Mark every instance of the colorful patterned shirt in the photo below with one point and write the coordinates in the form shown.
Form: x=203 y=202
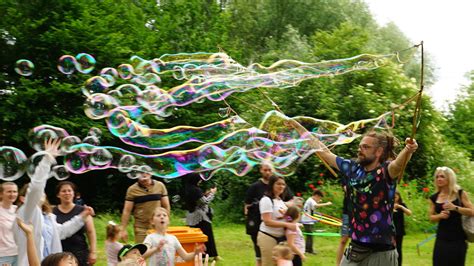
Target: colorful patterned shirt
x=370 y=203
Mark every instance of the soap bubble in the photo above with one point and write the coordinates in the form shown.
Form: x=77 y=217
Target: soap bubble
x=40 y=134
x=60 y=172
x=101 y=157
x=12 y=163
x=85 y=63
x=175 y=198
x=24 y=67
x=67 y=64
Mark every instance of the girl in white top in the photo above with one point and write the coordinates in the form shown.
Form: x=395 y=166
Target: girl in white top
x=162 y=247
x=112 y=246
x=272 y=228
x=8 y=248
x=36 y=211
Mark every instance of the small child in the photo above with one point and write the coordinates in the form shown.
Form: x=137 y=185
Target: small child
x=131 y=255
x=282 y=255
x=309 y=208
x=295 y=238
x=162 y=247
x=112 y=246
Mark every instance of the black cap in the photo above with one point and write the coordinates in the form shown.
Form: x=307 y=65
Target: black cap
x=126 y=248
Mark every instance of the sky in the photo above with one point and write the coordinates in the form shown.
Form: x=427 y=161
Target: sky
x=446 y=29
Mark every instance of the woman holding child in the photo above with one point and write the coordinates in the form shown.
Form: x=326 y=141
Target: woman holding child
x=272 y=228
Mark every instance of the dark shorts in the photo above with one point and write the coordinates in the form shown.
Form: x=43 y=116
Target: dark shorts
x=345 y=225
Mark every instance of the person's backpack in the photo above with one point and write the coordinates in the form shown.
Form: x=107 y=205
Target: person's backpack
x=467 y=222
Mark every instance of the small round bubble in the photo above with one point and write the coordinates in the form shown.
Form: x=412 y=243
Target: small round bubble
x=67 y=64
x=24 y=67
x=96 y=84
x=12 y=163
x=175 y=198
x=85 y=63
x=96 y=132
x=37 y=139
x=67 y=144
x=224 y=112
x=60 y=172
x=125 y=71
x=101 y=157
x=92 y=141
x=126 y=162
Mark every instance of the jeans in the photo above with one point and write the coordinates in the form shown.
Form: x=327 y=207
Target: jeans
x=9 y=260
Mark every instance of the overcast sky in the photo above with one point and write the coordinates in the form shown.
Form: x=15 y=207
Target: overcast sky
x=446 y=27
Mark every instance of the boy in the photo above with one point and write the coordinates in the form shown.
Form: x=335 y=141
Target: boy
x=309 y=208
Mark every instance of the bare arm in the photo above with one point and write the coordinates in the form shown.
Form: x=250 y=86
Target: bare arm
x=466 y=209
x=404 y=209
x=291 y=238
x=90 y=231
x=198 y=249
x=267 y=219
x=323 y=152
x=434 y=217
x=396 y=166
x=33 y=259
x=127 y=210
x=323 y=204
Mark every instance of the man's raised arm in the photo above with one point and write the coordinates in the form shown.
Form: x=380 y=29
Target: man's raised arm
x=323 y=152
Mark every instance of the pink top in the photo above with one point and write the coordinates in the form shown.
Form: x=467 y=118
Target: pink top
x=299 y=239
x=7 y=241
x=112 y=249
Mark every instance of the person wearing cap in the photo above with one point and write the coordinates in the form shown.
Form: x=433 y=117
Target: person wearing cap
x=132 y=255
x=142 y=198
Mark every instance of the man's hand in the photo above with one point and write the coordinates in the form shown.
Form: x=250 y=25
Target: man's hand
x=411 y=145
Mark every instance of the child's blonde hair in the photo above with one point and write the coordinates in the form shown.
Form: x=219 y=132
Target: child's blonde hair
x=112 y=230
x=159 y=209
x=283 y=251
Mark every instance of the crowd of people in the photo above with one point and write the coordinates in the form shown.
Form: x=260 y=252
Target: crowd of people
x=35 y=233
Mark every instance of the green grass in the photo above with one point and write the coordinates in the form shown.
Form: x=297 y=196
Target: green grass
x=236 y=247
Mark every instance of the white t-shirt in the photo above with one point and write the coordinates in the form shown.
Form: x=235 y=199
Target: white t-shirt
x=167 y=254
x=308 y=208
x=277 y=208
x=7 y=240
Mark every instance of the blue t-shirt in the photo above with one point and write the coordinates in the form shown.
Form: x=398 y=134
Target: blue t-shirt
x=370 y=203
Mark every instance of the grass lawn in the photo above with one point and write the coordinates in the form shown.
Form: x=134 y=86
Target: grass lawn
x=236 y=247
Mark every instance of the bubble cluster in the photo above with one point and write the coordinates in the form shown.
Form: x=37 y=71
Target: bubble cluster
x=24 y=67
x=82 y=62
x=124 y=95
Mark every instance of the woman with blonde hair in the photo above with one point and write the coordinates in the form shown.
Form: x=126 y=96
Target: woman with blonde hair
x=446 y=207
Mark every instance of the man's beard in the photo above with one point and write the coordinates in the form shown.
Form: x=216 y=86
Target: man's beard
x=364 y=161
